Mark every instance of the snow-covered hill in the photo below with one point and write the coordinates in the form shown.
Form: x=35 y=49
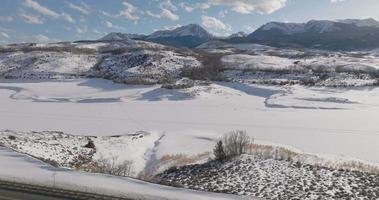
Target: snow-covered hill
x=127 y=60
x=144 y=66
x=273 y=179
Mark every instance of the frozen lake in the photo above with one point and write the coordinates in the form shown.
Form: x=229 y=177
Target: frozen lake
x=315 y=120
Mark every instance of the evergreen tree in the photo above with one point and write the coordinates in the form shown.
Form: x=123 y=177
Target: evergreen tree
x=219 y=151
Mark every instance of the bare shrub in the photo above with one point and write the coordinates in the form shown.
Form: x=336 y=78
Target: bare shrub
x=113 y=167
x=210 y=69
x=11 y=137
x=233 y=144
x=90 y=145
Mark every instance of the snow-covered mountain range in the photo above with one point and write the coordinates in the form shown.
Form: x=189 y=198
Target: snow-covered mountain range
x=346 y=34
x=350 y=34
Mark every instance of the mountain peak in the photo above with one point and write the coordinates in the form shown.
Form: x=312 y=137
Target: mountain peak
x=188 y=30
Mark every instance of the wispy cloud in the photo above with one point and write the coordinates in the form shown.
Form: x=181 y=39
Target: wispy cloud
x=164 y=14
x=129 y=12
x=4 y=35
x=30 y=18
x=190 y=7
x=41 y=9
x=67 y=18
x=6 y=18
x=82 y=7
x=250 y=6
x=168 y=5
x=47 y=11
x=167 y=11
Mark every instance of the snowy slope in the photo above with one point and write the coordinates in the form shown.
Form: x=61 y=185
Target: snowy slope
x=274 y=179
x=21 y=168
x=45 y=65
x=144 y=66
x=66 y=150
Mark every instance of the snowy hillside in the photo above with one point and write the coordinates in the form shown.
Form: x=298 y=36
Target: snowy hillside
x=17 y=167
x=45 y=65
x=273 y=179
x=63 y=150
x=144 y=66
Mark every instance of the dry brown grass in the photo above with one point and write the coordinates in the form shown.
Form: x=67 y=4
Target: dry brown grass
x=282 y=153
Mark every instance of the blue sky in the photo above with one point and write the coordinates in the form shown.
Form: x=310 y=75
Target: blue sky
x=61 y=20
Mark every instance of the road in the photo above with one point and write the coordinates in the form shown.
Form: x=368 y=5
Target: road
x=19 y=191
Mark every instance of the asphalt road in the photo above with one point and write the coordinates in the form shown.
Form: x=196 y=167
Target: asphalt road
x=20 y=191
x=19 y=195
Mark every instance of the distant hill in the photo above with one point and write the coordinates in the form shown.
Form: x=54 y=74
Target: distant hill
x=121 y=36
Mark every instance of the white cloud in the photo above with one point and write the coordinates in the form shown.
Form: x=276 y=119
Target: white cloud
x=41 y=9
x=83 y=8
x=47 y=12
x=30 y=18
x=336 y=1
x=5 y=35
x=250 y=6
x=6 y=18
x=168 y=5
x=129 y=12
x=108 y=24
x=214 y=23
x=164 y=14
x=67 y=18
x=190 y=7
x=82 y=29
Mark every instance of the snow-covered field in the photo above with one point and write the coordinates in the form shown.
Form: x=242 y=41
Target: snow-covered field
x=315 y=120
